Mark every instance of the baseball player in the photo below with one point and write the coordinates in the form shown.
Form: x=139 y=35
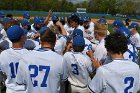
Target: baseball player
x=119 y=76
x=78 y=66
x=100 y=33
x=9 y=59
x=74 y=22
x=135 y=37
x=132 y=52
x=41 y=72
x=68 y=27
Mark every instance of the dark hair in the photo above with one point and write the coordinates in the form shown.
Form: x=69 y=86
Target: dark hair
x=48 y=36
x=116 y=43
x=78 y=48
x=75 y=18
x=15 y=40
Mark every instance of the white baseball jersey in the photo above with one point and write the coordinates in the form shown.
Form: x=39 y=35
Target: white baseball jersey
x=131 y=53
x=41 y=71
x=135 y=39
x=88 y=45
x=78 y=67
x=50 y=24
x=91 y=27
x=68 y=29
x=119 y=76
x=100 y=51
x=60 y=45
x=9 y=61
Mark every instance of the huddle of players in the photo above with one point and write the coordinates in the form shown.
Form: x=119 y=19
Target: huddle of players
x=37 y=71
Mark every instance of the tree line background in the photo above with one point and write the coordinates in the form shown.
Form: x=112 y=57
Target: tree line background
x=93 y=6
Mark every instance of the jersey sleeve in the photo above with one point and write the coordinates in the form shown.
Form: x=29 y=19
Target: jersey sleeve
x=65 y=70
x=97 y=84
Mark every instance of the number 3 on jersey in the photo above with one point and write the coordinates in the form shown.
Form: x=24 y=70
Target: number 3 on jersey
x=35 y=69
x=128 y=81
x=75 y=69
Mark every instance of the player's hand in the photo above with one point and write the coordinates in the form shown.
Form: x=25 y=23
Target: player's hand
x=87 y=31
x=50 y=13
x=35 y=36
x=96 y=63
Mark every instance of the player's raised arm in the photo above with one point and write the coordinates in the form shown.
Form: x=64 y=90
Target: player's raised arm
x=48 y=17
x=58 y=23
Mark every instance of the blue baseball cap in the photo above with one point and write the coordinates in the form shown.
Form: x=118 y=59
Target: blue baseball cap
x=78 y=41
x=14 y=32
x=6 y=19
x=77 y=32
x=125 y=31
x=86 y=19
x=102 y=20
x=55 y=18
x=25 y=22
x=118 y=23
x=62 y=19
x=134 y=25
x=26 y=15
x=2 y=14
x=37 y=20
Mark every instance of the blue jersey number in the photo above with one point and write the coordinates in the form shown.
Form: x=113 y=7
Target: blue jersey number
x=130 y=81
x=36 y=70
x=13 y=69
x=75 y=69
x=89 y=47
x=133 y=54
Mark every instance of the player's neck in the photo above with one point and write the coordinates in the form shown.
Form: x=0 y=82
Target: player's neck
x=49 y=46
x=17 y=45
x=117 y=56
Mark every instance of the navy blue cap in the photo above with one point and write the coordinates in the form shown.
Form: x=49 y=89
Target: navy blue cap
x=62 y=18
x=77 y=32
x=118 y=23
x=55 y=18
x=2 y=14
x=78 y=41
x=14 y=32
x=102 y=20
x=134 y=25
x=25 y=22
x=26 y=15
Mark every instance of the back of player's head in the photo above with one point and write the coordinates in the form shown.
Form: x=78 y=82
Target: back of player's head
x=77 y=32
x=100 y=29
x=118 y=23
x=75 y=19
x=47 y=35
x=116 y=43
x=78 y=43
x=125 y=31
x=134 y=25
x=14 y=33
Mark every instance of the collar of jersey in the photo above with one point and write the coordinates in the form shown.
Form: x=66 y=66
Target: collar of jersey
x=43 y=49
x=120 y=59
x=16 y=48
